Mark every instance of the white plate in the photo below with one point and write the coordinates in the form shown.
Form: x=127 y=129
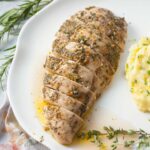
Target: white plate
x=34 y=43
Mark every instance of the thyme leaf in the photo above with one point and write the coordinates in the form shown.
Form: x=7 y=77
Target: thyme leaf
x=142 y=138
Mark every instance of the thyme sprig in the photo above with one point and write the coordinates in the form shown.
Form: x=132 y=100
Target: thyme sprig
x=142 y=138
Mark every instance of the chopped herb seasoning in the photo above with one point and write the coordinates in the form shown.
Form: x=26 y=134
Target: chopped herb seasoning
x=140 y=56
x=131 y=90
x=148 y=72
x=138 y=77
x=135 y=81
x=148 y=61
x=41 y=139
x=75 y=92
x=148 y=92
x=145 y=82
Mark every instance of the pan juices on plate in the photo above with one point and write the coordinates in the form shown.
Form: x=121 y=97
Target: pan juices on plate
x=83 y=60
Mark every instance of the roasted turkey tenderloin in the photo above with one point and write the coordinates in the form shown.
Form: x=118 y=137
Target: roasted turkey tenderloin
x=83 y=60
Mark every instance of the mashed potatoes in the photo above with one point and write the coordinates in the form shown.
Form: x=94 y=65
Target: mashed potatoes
x=138 y=73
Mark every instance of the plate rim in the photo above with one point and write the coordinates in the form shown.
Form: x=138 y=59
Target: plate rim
x=14 y=63
x=12 y=66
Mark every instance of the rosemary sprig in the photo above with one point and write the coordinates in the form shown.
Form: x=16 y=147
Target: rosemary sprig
x=11 y=22
x=6 y=61
x=142 y=138
x=12 y=19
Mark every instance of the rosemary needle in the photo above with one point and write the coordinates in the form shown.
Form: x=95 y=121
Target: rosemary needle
x=6 y=60
x=13 y=18
x=11 y=22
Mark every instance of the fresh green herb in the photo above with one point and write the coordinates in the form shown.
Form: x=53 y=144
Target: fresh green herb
x=96 y=137
x=82 y=39
x=6 y=61
x=148 y=61
x=148 y=72
x=135 y=81
x=128 y=143
x=127 y=66
x=11 y=22
x=12 y=19
x=75 y=92
x=145 y=81
x=131 y=90
x=148 y=92
x=140 y=56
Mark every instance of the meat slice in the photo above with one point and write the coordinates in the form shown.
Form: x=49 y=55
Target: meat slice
x=104 y=20
x=93 y=61
x=98 y=43
x=64 y=101
x=98 y=28
x=96 y=17
x=83 y=60
x=73 y=71
x=80 y=54
x=70 y=69
x=113 y=26
x=92 y=38
x=70 y=88
x=63 y=124
x=83 y=55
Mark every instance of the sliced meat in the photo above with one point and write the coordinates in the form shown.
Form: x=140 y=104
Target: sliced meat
x=70 y=88
x=101 y=19
x=102 y=27
x=114 y=27
x=82 y=54
x=92 y=38
x=73 y=71
x=62 y=123
x=64 y=101
x=97 y=42
x=84 y=58
x=72 y=24
x=99 y=63
x=70 y=69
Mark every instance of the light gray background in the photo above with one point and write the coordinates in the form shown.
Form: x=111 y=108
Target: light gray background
x=4 y=6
